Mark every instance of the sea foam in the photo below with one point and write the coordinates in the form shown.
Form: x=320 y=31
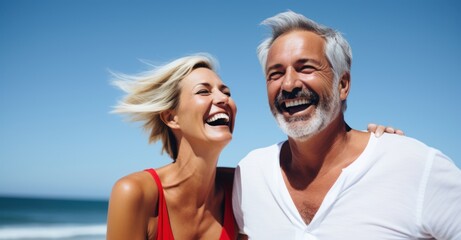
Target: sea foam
x=51 y=231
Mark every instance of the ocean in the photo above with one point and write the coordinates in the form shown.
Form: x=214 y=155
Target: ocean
x=38 y=218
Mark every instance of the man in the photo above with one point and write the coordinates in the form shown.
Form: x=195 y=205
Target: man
x=328 y=181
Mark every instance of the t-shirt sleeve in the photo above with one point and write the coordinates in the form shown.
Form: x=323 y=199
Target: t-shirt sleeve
x=441 y=207
x=237 y=199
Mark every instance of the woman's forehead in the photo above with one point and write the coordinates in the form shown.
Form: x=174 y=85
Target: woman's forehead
x=202 y=76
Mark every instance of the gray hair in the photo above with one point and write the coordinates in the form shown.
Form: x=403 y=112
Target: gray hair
x=152 y=92
x=337 y=49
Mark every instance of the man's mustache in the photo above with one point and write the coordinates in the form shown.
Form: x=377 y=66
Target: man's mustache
x=308 y=94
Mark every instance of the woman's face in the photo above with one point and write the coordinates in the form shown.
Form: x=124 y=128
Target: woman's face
x=206 y=112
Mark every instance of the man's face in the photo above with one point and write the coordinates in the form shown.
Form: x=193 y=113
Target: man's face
x=302 y=93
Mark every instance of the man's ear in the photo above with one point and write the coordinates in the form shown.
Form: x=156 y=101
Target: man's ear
x=344 y=86
x=170 y=119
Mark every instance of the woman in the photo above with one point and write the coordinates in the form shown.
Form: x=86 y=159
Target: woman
x=186 y=106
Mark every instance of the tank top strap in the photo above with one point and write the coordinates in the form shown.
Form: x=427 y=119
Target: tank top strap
x=164 y=231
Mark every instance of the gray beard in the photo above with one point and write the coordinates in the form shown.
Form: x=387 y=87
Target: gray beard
x=304 y=127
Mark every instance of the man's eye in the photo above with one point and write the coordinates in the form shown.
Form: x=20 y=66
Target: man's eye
x=307 y=69
x=274 y=75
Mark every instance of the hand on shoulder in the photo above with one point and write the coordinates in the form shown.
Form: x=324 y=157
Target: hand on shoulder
x=378 y=130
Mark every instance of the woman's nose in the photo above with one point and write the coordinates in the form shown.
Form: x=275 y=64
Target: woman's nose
x=221 y=98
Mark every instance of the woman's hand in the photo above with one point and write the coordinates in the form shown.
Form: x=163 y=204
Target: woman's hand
x=378 y=130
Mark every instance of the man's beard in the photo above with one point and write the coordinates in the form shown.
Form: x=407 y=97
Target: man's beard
x=305 y=126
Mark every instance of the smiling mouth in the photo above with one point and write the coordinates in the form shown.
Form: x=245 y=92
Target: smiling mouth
x=295 y=105
x=220 y=119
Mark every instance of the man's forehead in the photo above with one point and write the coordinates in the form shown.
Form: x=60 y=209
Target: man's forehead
x=305 y=34
x=296 y=43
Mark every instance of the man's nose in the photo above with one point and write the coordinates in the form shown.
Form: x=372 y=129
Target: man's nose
x=291 y=80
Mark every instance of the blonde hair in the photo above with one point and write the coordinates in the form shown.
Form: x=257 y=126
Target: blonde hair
x=152 y=92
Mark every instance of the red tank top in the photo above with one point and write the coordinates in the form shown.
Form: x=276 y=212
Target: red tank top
x=164 y=231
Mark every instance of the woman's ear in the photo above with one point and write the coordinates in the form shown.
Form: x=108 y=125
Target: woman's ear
x=169 y=117
x=344 y=86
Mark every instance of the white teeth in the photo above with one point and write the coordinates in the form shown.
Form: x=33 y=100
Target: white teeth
x=294 y=103
x=218 y=116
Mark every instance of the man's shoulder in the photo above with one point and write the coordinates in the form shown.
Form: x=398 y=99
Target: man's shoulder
x=413 y=151
x=397 y=142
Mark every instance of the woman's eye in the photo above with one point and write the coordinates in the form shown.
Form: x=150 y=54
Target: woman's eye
x=227 y=93
x=203 y=92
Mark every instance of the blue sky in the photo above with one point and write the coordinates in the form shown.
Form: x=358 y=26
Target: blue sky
x=58 y=139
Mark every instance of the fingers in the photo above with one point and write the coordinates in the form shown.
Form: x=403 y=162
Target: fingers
x=389 y=129
x=372 y=127
x=394 y=131
x=399 y=132
x=378 y=130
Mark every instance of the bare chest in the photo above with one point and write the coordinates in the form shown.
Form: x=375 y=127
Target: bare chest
x=309 y=198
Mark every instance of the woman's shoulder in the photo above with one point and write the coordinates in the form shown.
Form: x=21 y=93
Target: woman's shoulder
x=136 y=188
x=132 y=203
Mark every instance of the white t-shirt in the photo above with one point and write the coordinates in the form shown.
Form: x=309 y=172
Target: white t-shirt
x=398 y=188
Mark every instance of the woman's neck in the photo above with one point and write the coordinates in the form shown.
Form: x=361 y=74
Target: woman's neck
x=192 y=176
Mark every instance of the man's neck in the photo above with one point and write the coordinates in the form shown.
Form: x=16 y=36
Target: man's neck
x=321 y=151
